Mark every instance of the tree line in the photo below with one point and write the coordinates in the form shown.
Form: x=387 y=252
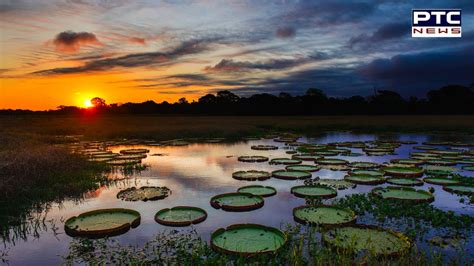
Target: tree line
x=451 y=99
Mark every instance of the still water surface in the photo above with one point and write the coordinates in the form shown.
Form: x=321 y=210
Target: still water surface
x=197 y=172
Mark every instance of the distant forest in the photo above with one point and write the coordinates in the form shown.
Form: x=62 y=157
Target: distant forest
x=451 y=99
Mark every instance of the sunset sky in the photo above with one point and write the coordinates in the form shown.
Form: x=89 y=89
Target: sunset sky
x=64 y=52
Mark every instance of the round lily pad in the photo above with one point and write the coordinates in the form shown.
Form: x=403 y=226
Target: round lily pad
x=404 y=181
x=460 y=189
x=264 y=191
x=327 y=161
x=365 y=179
x=237 y=201
x=375 y=240
x=123 y=162
x=314 y=191
x=338 y=184
x=251 y=175
x=252 y=159
x=439 y=170
x=441 y=181
x=403 y=193
x=180 y=216
x=247 y=239
x=404 y=171
x=325 y=215
x=366 y=172
x=441 y=162
x=305 y=157
x=102 y=223
x=285 y=161
x=134 y=151
x=468 y=167
x=303 y=167
x=264 y=147
x=144 y=193
x=291 y=174
x=407 y=161
x=363 y=165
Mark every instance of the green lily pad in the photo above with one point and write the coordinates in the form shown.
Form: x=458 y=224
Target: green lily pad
x=285 y=161
x=403 y=193
x=363 y=165
x=338 y=184
x=325 y=215
x=264 y=191
x=366 y=172
x=404 y=181
x=251 y=175
x=252 y=159
x=441 y=181
x=328 y=161
x=134 y=151
x=460 y=189
x=404 y=171
x=247 y=239
x=180 y=216
x=237 y=201
x=291 y=175
x=102 y=223
x=303 y=167
x=264 y=147
x=365 y=179
x=314 y=191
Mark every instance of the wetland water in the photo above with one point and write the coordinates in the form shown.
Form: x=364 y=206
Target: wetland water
x=197 y=172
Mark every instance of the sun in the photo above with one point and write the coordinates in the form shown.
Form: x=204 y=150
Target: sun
x=87 y=103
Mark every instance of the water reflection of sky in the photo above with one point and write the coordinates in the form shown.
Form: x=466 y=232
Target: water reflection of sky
x=195 y=173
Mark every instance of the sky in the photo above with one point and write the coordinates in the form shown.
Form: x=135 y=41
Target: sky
x=64 y=52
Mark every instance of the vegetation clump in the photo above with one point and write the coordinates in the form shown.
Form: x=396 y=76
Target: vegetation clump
x=143 y=193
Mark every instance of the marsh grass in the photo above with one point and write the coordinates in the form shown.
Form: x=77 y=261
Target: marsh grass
x=34 y=173
x=185 y=247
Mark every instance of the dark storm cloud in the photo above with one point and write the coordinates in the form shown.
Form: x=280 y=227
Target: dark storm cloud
x=386 y=32
x=285 y=32
x=135 y=60
x=416 y=73
x=69 y=41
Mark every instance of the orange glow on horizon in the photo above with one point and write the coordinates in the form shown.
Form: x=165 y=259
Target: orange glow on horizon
x=87 y=103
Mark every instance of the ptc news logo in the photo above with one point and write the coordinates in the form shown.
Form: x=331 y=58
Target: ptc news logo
x=436 y=23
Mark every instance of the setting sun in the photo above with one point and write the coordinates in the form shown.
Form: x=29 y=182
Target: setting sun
x=87 y=103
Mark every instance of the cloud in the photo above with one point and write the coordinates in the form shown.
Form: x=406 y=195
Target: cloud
x=386 y=32
x=285 y=32
x=135 y=60
x=70 y=42
x=414 y=74
x=229 y=65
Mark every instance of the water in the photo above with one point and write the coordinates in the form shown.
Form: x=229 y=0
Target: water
x=197 y=172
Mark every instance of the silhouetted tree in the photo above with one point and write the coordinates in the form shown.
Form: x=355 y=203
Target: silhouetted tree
x=98 y=102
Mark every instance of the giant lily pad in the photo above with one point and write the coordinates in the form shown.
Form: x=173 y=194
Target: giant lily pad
x=439 y=170
x=264 y=147
x=144 y=193
x=363 y=165
x=251 y=175
x=180 y=216
x=285 y=161
x=101 y=223
x=366 y=172
x=291 y=175
x=252 y=159
x=237 y=201
x=325 y=215
x=247 y=239
x=437 y=180
x=365 y=179
x=134 y=151
x=375 y=240
x=404 y=181
x=314 y=191
x=305 y=157
x=460 y=189
x=327 y=161
x=264 y=191
x=403 y=193
x=303 y=167
x=404 y=171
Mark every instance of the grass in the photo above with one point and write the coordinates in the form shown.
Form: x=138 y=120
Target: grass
x=172 y=127
x=184 y=247
x=33 y=173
